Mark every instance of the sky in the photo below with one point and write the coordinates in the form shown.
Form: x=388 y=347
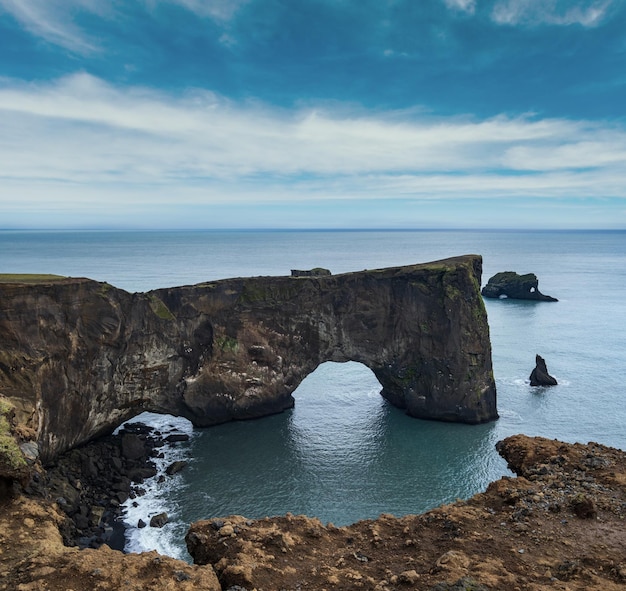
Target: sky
x=313 y=114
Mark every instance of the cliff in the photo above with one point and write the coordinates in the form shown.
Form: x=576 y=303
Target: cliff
x=78 y=357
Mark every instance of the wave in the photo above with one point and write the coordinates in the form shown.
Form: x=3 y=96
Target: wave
x=153 y=496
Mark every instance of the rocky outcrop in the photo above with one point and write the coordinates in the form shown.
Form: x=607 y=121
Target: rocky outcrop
x=509 y=284
x=540 y=376
x=33 y=557
x=79 y=357
x=317 y=272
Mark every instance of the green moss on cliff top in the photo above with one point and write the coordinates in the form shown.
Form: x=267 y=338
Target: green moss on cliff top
x=28 y=278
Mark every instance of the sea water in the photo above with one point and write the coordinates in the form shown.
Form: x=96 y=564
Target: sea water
x=344 y=454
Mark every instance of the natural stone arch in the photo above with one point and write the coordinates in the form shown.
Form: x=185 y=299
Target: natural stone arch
x=91 y=356
x=422 y=330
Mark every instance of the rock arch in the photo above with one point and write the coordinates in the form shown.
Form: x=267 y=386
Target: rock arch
x=78 y=357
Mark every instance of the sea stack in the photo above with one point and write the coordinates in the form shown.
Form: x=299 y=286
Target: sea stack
x=509 y=284
x=540 y=375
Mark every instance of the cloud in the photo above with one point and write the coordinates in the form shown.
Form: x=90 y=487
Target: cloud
x=80 y=142
x=551 y=12
x=221 y=10
x=468 y=6
x=53 y=20
x=56 y=20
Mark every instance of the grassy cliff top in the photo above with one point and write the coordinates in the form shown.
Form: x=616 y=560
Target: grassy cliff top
x=29 y=278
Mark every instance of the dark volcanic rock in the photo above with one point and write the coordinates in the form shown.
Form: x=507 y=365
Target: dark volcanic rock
x=90 y=483
x=176 y=467
x=540 y=376
x=93 y=356
x=509 y=284
x=176 y=437
x=159 y=520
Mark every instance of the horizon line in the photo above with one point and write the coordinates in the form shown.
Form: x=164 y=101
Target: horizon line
x=297 y=229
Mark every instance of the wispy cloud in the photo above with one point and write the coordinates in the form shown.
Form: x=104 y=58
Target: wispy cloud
x=53 y=20
x=468 y=6
x=93 y=143
x=222 y=10
x=587 y=13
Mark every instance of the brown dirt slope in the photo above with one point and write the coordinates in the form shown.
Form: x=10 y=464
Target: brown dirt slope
x=559 y=525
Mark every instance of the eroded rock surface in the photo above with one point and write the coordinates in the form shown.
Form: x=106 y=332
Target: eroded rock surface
x=509 y=284
x=79 y=357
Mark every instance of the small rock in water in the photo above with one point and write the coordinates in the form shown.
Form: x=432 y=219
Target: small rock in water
x=159 y=520
x=174 y=437
x=175 y=467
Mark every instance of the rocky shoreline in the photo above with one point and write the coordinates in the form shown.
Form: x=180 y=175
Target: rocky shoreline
x=558 y=525
x=90 y=484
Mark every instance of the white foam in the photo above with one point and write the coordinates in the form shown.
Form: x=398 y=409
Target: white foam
x=510 y=416
x=165 y=540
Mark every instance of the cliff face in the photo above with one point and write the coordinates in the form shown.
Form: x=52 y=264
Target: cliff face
x=78 y=357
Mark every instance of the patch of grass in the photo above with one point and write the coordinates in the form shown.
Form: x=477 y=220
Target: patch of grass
x=160 y=309
x=28 y=278
x=5 y=407
x=227 y=344
x=253 y=293
x=10 y=454
x=105 y=288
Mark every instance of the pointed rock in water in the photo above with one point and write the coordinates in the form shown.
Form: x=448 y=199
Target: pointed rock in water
x=540 y=375
x=509 y=284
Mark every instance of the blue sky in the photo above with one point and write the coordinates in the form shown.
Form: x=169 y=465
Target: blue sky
x=313 y=114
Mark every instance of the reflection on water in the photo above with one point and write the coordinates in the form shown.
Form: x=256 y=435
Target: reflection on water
x=342 y=454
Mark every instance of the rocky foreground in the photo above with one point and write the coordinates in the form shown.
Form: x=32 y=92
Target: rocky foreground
x=558 y=525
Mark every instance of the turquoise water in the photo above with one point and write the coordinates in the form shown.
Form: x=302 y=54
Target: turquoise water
x=342 y=453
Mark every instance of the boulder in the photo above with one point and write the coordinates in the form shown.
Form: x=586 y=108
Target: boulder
x=540 y=375
x=134 y=447
x=176 y=437
x=509 y=284
x=175 y=467
x=159 y=520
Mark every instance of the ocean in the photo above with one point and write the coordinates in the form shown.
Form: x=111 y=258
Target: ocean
x=344 y=454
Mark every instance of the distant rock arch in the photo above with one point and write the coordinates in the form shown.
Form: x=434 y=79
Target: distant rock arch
x=93 y=356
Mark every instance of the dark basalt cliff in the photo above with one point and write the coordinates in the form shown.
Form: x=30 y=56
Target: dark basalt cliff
x=78 y=357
